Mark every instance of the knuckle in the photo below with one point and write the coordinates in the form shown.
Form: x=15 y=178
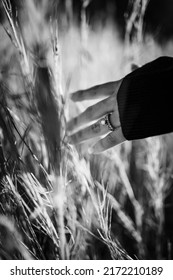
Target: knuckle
x=89 y=111
x=96 y=128
x=79 y=135
x=75 y=122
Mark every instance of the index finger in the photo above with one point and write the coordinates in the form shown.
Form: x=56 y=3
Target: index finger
x=98 y=91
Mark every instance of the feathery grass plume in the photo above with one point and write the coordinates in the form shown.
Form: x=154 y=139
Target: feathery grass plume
x=49 y=100
x=134 y=30
x=64 y=203
x=15 y=35
x=157 y=186
x=31 y=208
x=153 y=148
x=46 y=87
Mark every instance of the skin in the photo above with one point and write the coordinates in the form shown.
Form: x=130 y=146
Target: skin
x=80 y=128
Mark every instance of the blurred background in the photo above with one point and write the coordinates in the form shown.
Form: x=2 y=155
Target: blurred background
x=56 y=200
x=157 y=19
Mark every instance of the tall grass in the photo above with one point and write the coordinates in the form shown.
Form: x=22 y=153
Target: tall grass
x=56 y=201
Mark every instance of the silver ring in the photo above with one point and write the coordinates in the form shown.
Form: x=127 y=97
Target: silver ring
x=106 y=121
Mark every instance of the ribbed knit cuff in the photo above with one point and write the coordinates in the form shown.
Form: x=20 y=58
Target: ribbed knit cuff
x=145 y=100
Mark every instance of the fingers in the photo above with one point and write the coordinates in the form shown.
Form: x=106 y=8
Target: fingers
x=92 y=113
x=103 y=90
x=95 y=112
x=112 y=139
x=95 y=130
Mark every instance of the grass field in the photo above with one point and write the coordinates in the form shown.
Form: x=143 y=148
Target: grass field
x=56 y=200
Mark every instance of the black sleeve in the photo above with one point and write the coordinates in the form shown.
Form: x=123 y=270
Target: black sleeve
x=145 y=100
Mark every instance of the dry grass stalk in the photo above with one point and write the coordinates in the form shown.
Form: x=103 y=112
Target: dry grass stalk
x=57 y=202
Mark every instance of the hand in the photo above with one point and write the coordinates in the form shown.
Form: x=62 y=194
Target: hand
x=97 y=113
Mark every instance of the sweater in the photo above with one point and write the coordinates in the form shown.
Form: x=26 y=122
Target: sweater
x=145 y=100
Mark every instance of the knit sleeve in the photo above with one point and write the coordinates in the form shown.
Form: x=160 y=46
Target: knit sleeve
x=145 y=100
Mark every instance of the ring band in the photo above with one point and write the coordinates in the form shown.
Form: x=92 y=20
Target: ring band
x=106 y=121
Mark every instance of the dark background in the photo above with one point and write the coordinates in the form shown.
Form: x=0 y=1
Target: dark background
x=158 y=18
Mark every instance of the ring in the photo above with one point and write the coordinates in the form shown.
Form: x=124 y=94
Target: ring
x=106 y=121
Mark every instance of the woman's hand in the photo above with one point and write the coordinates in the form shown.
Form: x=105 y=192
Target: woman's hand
x=104 y=115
